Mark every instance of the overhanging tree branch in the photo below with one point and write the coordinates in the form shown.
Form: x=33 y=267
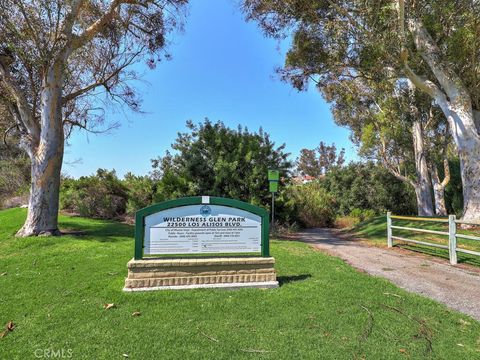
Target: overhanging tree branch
x=26 y=116
x=430 y=52
x=100 y=23
x=102 y=82
x=390 y=167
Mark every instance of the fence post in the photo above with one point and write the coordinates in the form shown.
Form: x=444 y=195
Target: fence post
x=452 y=239
x=389 y=230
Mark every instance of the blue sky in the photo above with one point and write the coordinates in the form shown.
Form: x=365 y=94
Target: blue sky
x=222 y=68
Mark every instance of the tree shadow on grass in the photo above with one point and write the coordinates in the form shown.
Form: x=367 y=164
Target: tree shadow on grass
x=282 y=280
x=98 y=230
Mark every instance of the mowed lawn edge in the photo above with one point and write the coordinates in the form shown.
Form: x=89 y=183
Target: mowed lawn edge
x=54 y=290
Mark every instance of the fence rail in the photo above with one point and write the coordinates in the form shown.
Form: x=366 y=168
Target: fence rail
x=452 y=247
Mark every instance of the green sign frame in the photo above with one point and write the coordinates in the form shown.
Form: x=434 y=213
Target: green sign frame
x=273 y=186
x=197 y=200
x=273 y=175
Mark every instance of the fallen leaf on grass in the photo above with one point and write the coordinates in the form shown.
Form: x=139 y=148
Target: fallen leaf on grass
x=109 y=306
x=9 y=327
x=403 y=351
x=136 y=313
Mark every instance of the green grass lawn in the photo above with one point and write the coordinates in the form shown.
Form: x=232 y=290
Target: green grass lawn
x=375 y=232
x=54 y=290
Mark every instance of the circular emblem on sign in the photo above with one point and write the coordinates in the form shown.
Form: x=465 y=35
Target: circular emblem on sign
x=205 y=210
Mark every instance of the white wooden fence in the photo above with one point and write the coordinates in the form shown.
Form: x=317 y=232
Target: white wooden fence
x=452 y=234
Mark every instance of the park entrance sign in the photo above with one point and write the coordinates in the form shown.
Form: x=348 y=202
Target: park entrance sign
x=202 y=229
x=201 y=242
x=201 y=225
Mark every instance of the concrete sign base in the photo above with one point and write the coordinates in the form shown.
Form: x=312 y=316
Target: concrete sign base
x=194 y=273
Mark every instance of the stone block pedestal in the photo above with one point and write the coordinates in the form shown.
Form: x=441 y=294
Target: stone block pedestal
x=191 y=273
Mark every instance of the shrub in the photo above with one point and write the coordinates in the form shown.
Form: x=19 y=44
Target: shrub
x=140 y=191
x=14 y=181
x=356 y=213
x=99 y=196
x=368 y=186
x=362 y=214
x=346 y=222
x=368 y=214
x=313 y=204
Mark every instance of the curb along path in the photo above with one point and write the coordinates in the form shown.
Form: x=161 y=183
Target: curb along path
x=456 y=287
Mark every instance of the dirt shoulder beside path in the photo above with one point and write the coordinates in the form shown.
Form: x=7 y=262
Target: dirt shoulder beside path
x=458 y=287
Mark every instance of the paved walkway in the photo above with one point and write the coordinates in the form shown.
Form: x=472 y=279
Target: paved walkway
x=458 y=287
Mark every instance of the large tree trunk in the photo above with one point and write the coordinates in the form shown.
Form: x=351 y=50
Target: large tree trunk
x=456 y=104
x=422 y=188
x=47 y=157
x=467 y=141
x=439 y=188
x=439 y=194
x=421 y=184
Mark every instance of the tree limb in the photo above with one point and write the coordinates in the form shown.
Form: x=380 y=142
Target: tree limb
x=26 y=116
x=446 y=178
x=425 y=85
x=84 y=127
x=71 y=17
x=5 y=134
x=392 y=169
x=100 y=23
x=102 y=81
x=429 y=51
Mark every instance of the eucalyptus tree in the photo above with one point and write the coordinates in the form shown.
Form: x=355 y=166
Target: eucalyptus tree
x=61 y=64
x=440 y=149
x=336 y=40
x=388 y=126
x=448 y=45
x=318 y=161
x=307 y=163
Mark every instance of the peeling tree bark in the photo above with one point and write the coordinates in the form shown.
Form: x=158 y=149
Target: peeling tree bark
x=422 y=182
x=422 y=186
x=455 y=102
x=467 y=142
x=439 y=188
x=46 y=159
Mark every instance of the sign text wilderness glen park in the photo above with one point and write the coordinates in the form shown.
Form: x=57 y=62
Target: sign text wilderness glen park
x=201 y=241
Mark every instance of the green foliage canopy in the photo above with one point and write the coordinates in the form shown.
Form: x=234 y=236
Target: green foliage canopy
x=212 y=159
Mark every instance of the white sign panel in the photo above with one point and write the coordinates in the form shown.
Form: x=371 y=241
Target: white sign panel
x=199 y=229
